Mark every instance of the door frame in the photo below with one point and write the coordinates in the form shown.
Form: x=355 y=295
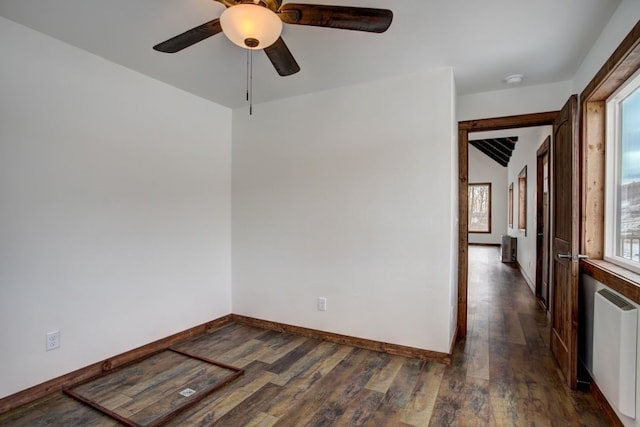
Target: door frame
x=464 y=128
x=544 y=150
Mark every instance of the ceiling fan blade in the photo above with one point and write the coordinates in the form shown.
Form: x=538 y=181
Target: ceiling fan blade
x=191 y=37
x=344 y=17
x=281 y=58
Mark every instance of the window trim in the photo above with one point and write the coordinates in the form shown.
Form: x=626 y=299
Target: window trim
x=510 y=212
x=621 y=65
x=522 y=200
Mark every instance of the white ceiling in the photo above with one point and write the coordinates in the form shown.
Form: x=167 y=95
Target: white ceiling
x=483 y=40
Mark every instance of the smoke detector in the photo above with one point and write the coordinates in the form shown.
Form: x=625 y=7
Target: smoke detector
x=514 y=79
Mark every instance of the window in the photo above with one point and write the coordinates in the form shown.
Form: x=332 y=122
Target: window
x=622 y=215
x=480 y=208
x=522 y=200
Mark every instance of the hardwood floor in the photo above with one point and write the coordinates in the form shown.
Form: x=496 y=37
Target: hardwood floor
x=501 y=375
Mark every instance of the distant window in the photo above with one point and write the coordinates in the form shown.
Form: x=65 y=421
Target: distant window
x=622 y=218
x=522 y=200
x=480 y=208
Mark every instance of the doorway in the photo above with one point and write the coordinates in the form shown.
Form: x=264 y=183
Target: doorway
x=464 y=128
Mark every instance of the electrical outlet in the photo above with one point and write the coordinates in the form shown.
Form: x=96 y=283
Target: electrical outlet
x=322 y=304
x=53 y=340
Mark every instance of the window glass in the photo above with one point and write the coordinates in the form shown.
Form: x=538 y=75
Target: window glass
x=480 y=208
x=628 y=203
x=622 y=215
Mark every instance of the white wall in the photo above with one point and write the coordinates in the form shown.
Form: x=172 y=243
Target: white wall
x=525 y=154
x=115 y=219
x=454 y=231
x=513 y=101
x=484 y=169
x=621 y=23
x=348 y=194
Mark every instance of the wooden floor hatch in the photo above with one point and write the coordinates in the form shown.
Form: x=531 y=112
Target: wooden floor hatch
x=152 y=391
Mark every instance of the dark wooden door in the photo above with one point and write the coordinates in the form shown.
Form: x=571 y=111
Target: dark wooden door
x=564 y=283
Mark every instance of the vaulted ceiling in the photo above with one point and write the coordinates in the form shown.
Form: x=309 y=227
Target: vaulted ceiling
x=483 y=41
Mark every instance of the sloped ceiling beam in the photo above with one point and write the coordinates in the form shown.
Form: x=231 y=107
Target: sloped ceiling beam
x=498 y=149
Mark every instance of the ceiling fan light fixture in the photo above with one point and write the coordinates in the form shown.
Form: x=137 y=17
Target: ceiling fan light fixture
x=245 y=24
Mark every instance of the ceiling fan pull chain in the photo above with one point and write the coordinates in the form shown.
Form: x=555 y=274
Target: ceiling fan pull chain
x=250 y=81
x=247 y=75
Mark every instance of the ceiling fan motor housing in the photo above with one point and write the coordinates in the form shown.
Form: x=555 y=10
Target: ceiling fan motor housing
x=251 y=43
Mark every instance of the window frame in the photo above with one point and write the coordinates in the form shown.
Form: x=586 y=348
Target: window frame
x=613 y=135
x=480 y=184
x=522 y=200
x=510 y=211
x=617 y=69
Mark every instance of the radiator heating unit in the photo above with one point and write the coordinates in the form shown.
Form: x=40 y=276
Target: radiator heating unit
x=615 y=328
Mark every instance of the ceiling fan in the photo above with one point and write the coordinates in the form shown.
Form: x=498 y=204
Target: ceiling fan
x=257 y=24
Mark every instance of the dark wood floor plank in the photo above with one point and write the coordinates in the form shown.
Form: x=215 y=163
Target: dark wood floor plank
x=381 y=380
x=324 y=355
x=530 y=390
x=393 y=407
x=220 y=341
x=313 y=400
x=306 y=383
x=476 y=405
x=261 y=419
x=419 y=409
x=404 y=383
x=513 y=328
x=531 y=330
x=478 y=357
x=61 y=410
x=241 y=415
x=345 y=392
x=281 y=347
x=450 y=394
x=286 y=361
x=361 y=408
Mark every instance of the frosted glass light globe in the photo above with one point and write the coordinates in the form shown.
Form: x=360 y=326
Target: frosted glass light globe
x=251 y=26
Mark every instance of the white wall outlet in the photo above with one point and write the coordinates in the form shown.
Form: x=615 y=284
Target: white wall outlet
x=322 y=304
x=53 y=340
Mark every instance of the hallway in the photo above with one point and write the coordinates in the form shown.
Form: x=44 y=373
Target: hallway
x=503 y=373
